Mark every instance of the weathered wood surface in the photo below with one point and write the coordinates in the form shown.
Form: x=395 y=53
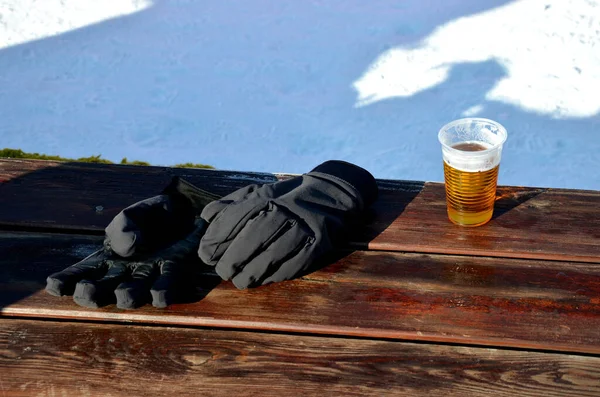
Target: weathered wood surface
x=469 y=300
x=72 y=359
x=458 y=285
x=536 y=223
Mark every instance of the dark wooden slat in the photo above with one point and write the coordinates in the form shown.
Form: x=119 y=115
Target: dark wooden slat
x=551 y=224
x=535 y=223
x=468 y=300
x=82 y=196
x=49 y=358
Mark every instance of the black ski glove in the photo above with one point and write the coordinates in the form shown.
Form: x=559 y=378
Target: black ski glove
x=274 y=232
x=158 y=236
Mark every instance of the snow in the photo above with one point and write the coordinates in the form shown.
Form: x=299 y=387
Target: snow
x=548 y=53
x=280 y=86
x=25 y=20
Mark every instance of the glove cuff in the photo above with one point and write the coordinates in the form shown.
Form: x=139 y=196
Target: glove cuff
x=358 y=177
x=197 y=197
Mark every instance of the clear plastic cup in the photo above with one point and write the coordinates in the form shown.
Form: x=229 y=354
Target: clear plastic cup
x=471 y=149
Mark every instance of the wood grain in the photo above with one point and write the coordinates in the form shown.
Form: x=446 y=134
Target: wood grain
x=468 y=300
x=534 y=223
x=50 y=358
x=80 y=196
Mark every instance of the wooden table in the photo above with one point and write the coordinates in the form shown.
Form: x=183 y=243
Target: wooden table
x=413 y=305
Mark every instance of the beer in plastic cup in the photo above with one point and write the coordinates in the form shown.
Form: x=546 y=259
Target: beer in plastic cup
x=471 y=149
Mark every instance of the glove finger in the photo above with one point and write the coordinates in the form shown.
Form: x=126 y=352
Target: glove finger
x=63 y=282
x=175 y=279
x=285 y=257
x=98 y=293
x=136 y=292
x=214 y=208
x=225 y=227
x=171 y=284
x=256 y=236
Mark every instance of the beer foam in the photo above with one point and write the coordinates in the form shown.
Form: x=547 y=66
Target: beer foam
x=476 y=161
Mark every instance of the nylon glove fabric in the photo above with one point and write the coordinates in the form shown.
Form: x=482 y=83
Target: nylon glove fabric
x=158 y=221
x=274 y=232
x=148 y=251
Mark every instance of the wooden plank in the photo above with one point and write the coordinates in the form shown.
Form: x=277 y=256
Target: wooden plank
x=45 y=194
x=552 y=224
x=458 y=299
x=51 y=358
x=534 y=223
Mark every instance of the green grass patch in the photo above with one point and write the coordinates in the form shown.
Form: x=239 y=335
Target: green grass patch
x=193 y=165
x=19 y=154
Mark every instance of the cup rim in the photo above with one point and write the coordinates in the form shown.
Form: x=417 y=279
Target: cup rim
x=471 y=119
